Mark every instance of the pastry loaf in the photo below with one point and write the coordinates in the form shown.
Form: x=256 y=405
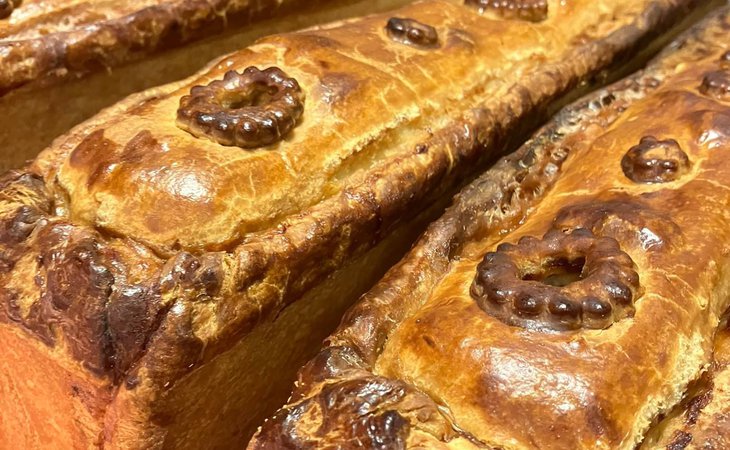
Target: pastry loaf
x=169 y=264
x=566 y=300
x=61 y=61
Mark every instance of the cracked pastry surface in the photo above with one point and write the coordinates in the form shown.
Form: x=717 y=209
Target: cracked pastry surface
x=139 y=256
x=346 y=74
x=641 y=164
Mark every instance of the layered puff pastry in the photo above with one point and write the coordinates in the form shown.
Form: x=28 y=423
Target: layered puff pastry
x=168 y=265
x=569 y=297
x=61 y=61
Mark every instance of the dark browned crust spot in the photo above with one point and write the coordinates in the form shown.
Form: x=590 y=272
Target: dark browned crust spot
x=655 y=161
x=697 y=404
x=27 y=202
x=359 y=411
x=564 y=281
x=203 y=274
x=371 y=421
x=86 y=298
x=77 y=285
x=680 y=440
x=716 y=84
x=412 y=32
x=334 y=87
x=7 y=7
x=15 y=228
x=532 y=10
x=623 y=218
x=132 y=311
x=252 y=109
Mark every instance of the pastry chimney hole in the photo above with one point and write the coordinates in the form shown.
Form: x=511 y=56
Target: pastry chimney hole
x=559 y=273
x=260 y=96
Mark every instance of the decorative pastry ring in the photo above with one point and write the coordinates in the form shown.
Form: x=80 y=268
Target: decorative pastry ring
x=249 y=110
x=655 y=161
x=560 y=282
x=7 y=7
x=532 y=10
x=412 y=32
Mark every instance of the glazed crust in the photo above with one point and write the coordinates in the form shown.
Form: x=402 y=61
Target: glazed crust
x=141 y=253
x=702 y=420
x=509 y=385
x=346 y=74
x=43 y=40
x=189 y=195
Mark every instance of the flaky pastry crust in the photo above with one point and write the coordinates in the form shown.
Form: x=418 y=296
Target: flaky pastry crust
x=139 y=254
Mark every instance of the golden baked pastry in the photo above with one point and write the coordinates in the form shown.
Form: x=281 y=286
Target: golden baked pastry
x=566 y=300
x=61 y=61
x=169 y=264
x=702 y=420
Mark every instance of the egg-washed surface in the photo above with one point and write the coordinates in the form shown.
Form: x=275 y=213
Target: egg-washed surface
x=146 y=247
x=109 y=226
x=567 y=299
x=702 y=420
x=369 y=101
